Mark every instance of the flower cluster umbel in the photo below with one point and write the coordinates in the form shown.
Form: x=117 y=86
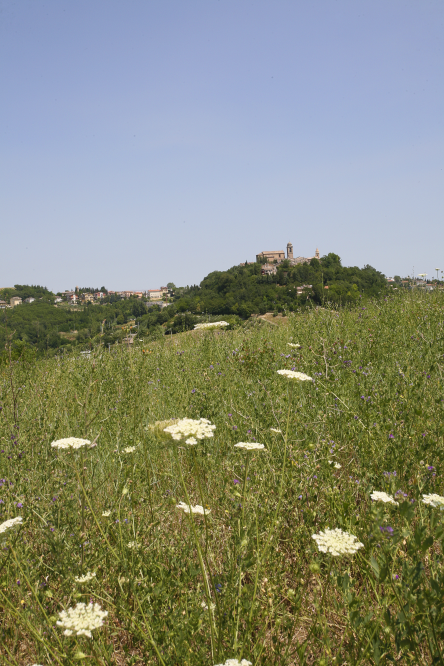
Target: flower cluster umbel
x=82 y=619
x=291 y=374
x=378 y=496
x=192 y=509
x=84 y=579
x=189 y=429
x=70 y=443
x=250 y=446
x=9 y=524
x=337 y=542
x=437 y=501
x=236 y=662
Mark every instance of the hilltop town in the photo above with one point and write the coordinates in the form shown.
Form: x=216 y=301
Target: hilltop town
x=270 y=259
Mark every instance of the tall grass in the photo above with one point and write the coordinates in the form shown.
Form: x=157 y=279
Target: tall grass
x=246 y=580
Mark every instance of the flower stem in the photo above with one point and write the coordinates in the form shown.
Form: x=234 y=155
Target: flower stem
x=201 y=563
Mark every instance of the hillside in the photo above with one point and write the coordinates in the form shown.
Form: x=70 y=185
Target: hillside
x=301 y=524
x=242 y=290
x=45 y=328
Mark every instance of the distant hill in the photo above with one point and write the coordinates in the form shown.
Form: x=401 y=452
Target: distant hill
x=243 y=290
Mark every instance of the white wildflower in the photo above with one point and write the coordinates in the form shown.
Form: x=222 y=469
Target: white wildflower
x=70 y=443
x=191 y=441
x=133 y=545
x=276 y=430
x=84 y=579
x=380 y=496
x=9 y=524
x=337 y=542
x=236 y=662
x=205 y=607
x=192 y=509
x=291 y=374
x=436 y=501
x=250 y=446
x=82 y=619
x=105 y=514
x=291 y=344
x=129 y=449
x=211 y=324
x=336 y=465
x=190 y=429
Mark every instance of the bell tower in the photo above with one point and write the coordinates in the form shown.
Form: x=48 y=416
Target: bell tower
x=289 y=251
x=317 y=253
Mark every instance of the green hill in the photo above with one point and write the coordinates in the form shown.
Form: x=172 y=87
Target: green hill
x=42 y=327
x=243 y=290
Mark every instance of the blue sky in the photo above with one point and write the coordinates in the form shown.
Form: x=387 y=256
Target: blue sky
x=145 y=142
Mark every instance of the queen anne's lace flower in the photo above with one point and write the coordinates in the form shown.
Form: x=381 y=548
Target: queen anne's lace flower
x=250 y=446
x=70 y=443
x=191 y=441
x=84 y=579
x=205 y=606
x=105 y=514
x=193 y=509
x=292 y=344
x=436 y=501
x=337 y=542
x=9 y=524
x=133 y=545
x=381 y=496
x=211 y=324
x=236 y=662
x=291 y=374
x=129 y=449
x=82 y=619
x=336 y=465
x=276 y=430
x=190 y=429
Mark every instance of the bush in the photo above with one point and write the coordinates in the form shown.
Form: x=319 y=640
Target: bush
x=183 y=322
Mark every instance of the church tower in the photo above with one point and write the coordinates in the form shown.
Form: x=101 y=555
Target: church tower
x=289 y=251
x=317 y=253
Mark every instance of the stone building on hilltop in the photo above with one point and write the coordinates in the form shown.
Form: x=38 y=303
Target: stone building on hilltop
x=271 y=258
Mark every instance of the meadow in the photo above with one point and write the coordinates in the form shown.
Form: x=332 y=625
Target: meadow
x=201 y=552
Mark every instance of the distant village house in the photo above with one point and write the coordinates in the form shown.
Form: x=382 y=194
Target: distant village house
x=156 y=294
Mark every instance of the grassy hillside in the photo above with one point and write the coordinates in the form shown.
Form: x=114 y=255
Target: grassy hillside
x=247 y=580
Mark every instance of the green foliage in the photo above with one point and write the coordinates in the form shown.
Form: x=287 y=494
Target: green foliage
x=242 y=290
x=183 y=322
x=370 y=420
x=44 y=329
x=26 y=291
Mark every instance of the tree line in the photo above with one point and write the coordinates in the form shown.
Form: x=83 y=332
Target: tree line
x=42 y=327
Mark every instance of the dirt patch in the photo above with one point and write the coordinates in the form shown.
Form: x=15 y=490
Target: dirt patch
x=279 y=320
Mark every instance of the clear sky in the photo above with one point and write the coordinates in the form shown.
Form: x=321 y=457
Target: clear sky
x=153 y=141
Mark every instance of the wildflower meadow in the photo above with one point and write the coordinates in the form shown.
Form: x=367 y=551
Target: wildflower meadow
x=268 y=495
